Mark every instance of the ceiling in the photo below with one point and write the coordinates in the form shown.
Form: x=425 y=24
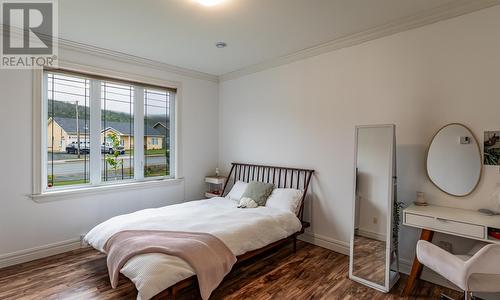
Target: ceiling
x=183 y=33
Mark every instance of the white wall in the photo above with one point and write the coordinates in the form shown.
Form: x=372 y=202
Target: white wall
x=26 y=226
x=304 y=113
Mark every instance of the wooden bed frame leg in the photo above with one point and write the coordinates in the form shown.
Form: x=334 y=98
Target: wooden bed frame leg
x=172 y=291
x=294 y=244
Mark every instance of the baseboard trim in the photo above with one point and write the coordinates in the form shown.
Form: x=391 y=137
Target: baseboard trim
x=325 y=242
x=371 y=235
x=26 y=255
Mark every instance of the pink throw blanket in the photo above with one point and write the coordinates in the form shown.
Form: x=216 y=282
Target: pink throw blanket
x=208 y=256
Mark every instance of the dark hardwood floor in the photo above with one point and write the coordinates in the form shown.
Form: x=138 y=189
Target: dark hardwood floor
x=310 y=273
x=369 y=259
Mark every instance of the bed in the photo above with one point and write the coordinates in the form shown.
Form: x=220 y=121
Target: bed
x=158 y=275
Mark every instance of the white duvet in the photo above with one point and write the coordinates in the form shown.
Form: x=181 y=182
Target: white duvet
x=242 y=230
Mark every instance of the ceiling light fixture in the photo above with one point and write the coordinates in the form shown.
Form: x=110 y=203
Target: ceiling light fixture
x=221 y=45
x=209 y=2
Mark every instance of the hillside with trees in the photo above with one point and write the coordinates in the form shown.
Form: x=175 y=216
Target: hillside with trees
x=67 y=110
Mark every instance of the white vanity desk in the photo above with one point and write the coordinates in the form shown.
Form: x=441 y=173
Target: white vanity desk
x=460 y=222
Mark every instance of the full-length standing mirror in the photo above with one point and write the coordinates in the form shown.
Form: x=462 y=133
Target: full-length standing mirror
x=373 y=259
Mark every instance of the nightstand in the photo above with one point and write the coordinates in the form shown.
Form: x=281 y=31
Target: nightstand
x=215 y=184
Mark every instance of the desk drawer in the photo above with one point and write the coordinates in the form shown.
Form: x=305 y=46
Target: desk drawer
x=452 y=227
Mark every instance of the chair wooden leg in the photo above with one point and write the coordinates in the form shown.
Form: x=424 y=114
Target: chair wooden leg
x=416 y=269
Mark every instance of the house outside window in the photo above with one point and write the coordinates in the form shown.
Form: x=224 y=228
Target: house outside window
x=93 y=124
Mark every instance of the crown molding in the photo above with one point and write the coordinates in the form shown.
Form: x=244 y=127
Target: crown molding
x=65 y=44
x=451 y=10
x=444 y=12
x=128 y=58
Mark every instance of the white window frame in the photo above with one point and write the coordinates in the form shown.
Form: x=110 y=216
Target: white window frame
x=40 y=190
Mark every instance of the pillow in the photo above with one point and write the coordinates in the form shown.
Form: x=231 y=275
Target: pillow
x=285 y=199
x=246 y=202
x=258 y=192
x=237 y=191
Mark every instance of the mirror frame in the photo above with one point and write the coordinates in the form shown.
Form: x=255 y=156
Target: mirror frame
x=390 y=277
x=480 y=159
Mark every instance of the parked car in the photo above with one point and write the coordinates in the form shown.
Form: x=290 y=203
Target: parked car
x=73 y=148
x=109 y=149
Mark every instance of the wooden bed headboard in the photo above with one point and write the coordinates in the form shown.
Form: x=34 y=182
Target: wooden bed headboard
x=281 y=177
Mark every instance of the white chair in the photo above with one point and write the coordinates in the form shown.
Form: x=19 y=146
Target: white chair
x=477 y=273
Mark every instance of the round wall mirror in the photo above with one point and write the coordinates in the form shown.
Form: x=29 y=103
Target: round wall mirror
x=454 y=160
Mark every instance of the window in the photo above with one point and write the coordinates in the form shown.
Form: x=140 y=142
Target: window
x=117 y=123
x=156 y=133
x=103 y=131
x=68 y=129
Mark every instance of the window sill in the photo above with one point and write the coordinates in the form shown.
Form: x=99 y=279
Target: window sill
x=58 y=195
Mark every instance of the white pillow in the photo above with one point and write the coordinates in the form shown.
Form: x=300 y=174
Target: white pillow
x=237 y=190
x=285 y=199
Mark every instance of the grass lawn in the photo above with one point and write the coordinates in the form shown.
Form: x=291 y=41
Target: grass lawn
x=82 y=181
x=156 y=174
x=150 y=152
x=156 y=152
x=154 y=171
x=68 y=182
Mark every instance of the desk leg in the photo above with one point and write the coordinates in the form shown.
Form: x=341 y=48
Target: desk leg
x=417 y=267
